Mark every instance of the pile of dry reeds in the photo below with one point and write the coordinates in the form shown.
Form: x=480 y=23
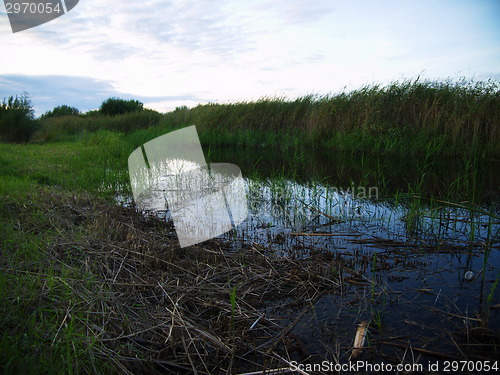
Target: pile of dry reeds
x=155 y=306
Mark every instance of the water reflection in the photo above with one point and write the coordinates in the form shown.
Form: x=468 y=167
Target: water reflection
x=442 y=255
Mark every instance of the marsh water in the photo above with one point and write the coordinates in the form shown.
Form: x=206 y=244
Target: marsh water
x=416 y=242
x=418 y=238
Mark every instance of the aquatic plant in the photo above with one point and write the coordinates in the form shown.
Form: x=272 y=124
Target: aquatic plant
x=407 y=118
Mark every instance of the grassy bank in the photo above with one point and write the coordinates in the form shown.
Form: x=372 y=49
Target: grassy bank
x=407 y=118
x=68 y=128
x=90 y=287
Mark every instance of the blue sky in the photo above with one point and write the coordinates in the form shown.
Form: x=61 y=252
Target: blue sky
x=167 y=53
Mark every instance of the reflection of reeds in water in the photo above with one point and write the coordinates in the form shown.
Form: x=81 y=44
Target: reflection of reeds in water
x=318 y=206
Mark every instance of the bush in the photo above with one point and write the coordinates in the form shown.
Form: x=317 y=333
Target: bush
x=92 y=113
x=62 y=110
x=60 y=128
x=17 y=122
x=116 y=106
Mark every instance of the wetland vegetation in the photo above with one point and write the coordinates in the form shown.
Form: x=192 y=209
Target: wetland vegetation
x=377 y=208
x=404 y=118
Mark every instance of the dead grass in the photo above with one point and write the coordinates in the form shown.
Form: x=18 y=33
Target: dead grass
x=154 y=306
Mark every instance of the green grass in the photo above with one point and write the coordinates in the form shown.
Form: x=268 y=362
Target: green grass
x=408 y=118
x=232 y=300
x=41 y=317
x=68 y=128
x=97 y=162
x=42 y=320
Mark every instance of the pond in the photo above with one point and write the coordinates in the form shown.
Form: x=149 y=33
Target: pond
x=419 y=239
x=415 y=241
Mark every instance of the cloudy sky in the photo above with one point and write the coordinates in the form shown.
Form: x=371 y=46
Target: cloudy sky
x=168 y=53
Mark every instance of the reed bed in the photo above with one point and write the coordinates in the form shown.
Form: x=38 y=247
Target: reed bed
x=406 y=117
x=409 y=117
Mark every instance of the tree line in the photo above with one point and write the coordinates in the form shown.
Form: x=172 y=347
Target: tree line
x=18 y=123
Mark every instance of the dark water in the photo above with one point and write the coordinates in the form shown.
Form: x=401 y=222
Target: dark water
x=427 y=268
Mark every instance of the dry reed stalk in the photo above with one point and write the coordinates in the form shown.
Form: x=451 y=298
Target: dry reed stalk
x=359 y=340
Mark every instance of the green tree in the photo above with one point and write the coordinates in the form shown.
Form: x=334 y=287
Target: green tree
x=62 y=110
x=117 y=106
x=17 y=119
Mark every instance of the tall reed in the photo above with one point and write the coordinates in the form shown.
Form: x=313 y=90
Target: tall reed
x=409 y=117
x=404 y=117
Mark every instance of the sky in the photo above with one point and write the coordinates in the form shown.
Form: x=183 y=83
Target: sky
x=169 y=53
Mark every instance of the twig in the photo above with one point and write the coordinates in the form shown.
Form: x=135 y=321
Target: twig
x=294 y=323
x=424 y=351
